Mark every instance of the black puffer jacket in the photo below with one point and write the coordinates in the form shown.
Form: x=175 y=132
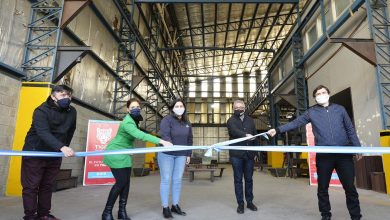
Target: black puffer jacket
x=51 y=128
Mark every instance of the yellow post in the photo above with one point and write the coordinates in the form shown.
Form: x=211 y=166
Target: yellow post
x=32 y=94
x=276 y=160
x=269 y=158
x=304 y=155
x=385 y=142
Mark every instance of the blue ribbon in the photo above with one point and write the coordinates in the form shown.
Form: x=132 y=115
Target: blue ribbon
x=217 y=147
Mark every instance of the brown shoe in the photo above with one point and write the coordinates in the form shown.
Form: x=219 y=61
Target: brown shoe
x=48 y=217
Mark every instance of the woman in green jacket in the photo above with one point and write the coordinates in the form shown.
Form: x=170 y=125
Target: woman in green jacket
x=120 y=165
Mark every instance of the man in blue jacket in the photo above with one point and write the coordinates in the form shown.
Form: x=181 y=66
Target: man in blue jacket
x=331 y=127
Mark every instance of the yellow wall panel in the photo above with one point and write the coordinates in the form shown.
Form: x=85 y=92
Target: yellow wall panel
x=385 y=142
x=32 y=95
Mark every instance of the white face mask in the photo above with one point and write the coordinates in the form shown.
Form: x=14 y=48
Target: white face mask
x=322 y=99
x=179 y=111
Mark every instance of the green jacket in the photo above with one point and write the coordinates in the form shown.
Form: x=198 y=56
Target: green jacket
x=124 y=139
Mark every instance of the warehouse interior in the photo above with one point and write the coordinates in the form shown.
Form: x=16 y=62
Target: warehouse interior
x=269 y=53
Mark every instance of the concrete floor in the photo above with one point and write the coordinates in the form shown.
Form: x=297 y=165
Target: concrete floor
x=277 y=198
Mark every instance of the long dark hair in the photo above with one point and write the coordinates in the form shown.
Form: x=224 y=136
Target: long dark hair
x=172 y=105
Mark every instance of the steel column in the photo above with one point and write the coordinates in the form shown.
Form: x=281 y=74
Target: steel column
x=377 y=13
x=43 y=39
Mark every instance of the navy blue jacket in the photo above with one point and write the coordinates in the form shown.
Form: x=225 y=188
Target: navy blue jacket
x=239 y=129
x=177 y=132
x=331 y=125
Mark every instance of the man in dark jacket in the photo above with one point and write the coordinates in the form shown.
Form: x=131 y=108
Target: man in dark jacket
x=53 y=125
x=331 y=127
x=240 y=125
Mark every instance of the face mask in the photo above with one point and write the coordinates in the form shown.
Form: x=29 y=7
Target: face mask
x=64 y=103
x=179 y=111
x=136 y=114
x=322 y=99
x=238 y=113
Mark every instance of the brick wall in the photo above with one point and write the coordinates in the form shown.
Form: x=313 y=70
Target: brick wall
x=80 y=139
x=9 y=99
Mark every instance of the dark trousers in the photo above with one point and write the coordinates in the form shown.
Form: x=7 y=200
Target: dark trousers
x=343 y=164
x=121 y=187
x=37 y=178
x=243 y=167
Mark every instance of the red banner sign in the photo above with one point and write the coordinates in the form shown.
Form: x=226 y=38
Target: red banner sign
x=99 y=135
x=334 y=181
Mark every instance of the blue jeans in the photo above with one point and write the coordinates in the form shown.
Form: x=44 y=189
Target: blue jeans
x=243 y=167
x=171 y=169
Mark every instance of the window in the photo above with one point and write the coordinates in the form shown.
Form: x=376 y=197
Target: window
x=281 y=72
x=263 y=74
x=217 y=87
x=340 y=6
x=204 y=88
x=228 y=86
x=312 y=36
x=328 y=15
x=240 y=86
x=192 y=89
x=252 y=84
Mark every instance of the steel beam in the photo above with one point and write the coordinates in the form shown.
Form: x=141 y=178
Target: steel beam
x=300 y=86
x=247 y=35
x=227 y=33
x=105 y=66
x=239 y=32
x=12 y=70
x=167 y=69
x=217 y=48
x=216 y=53
x=277 y=36
x=331 y=30
x=220 y=1
x=43 y=37
x=379 y=23
x=364 y=48
x=71 y=10
x=125 y=13
x=234 y=25
x=68 y=57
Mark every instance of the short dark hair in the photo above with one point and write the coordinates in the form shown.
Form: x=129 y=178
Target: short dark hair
x=132 y=100
x=61 y=88
x=318 y=88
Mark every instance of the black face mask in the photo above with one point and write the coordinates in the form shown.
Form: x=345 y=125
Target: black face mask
x=64 y=103
x=238 y=113
x=136 y=114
